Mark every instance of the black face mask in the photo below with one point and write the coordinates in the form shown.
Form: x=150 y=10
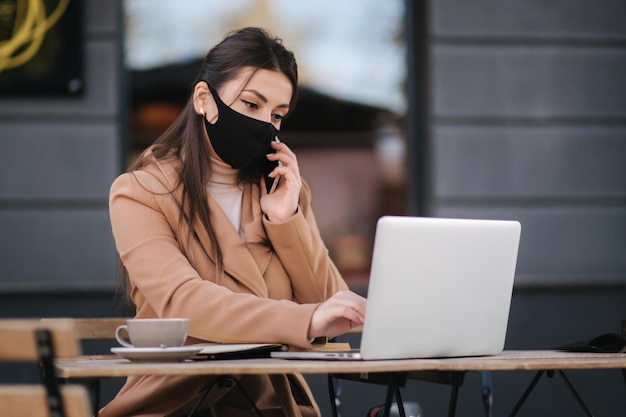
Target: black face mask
x=237 y=139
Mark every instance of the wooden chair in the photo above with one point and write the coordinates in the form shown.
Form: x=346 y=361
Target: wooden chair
x=87 y=330
x=27 y=341
x=91 y=328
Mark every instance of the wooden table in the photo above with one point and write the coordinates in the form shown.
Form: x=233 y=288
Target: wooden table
x=112 y=366
x=541 y=361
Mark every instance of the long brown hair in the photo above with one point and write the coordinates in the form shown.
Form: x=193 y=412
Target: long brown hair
x=248 y=47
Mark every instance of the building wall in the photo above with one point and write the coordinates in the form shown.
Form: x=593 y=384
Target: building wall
x=527 y=114
x=58 y=157
x=527 y=120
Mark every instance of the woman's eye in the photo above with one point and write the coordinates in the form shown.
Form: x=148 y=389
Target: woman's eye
x=250 y=104
x=277 y=117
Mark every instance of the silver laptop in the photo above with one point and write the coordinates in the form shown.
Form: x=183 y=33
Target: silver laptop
x=438 y=288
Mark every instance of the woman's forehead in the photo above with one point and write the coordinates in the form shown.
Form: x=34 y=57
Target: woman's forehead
x=272 y=84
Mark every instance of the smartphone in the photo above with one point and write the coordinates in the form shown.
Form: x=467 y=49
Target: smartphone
x=268 y=166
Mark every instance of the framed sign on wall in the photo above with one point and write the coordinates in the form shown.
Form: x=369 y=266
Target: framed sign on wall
x=41 y=53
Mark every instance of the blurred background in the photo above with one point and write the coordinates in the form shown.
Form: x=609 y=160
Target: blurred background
x=476 y=109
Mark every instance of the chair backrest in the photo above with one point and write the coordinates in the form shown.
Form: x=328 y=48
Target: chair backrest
x=32 y=401
x=92 y=328
x=19 y=340
x=31 y=341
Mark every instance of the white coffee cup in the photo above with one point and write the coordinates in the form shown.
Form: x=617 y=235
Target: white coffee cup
x=153 y=332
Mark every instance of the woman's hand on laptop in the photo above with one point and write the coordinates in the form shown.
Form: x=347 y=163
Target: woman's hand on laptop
x=337 y=315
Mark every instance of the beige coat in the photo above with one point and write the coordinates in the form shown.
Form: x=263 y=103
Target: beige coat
x=266 y=294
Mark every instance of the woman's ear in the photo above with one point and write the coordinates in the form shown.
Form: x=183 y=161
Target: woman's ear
x=203 y=101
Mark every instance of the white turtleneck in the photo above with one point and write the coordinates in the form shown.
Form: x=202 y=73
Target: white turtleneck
x=226 y=192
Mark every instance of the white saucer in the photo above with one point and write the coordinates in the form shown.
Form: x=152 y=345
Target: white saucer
x=156 y=354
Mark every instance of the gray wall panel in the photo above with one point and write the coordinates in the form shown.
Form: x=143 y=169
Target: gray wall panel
x=527 y=112
x=531 y=18
x=524 y=81
x=562 y=245
x=529 y=162
x=57 y=161
x=55 y=249
x=101 y=97
x=102 y=17
x=58 y=157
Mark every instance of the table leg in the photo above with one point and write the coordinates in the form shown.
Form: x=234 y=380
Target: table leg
x=579 y=400
x=454 y=395
x=569 y=385
x=393 y=389
x=226 y=381
x=399 y=401
x=393 y=381
x=206 y=392
x=388 y=400
x=526 y=393
x=333 y=396
x=487 y=392
x=96 y=396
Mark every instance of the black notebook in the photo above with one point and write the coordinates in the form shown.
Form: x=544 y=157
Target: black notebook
x=217 y=351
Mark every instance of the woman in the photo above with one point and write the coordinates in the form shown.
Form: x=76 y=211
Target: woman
x=200 y=237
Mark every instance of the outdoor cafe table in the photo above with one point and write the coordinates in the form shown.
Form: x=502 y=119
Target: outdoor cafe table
x=112 y=366
x=532 y=360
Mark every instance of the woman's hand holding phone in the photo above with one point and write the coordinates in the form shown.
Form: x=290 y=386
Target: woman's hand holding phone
x=268 y=168
x=282 y=203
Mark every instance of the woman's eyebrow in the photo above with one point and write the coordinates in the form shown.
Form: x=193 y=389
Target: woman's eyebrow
x=262 y=97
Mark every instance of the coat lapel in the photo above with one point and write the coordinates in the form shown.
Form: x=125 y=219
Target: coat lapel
x=244 y=261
